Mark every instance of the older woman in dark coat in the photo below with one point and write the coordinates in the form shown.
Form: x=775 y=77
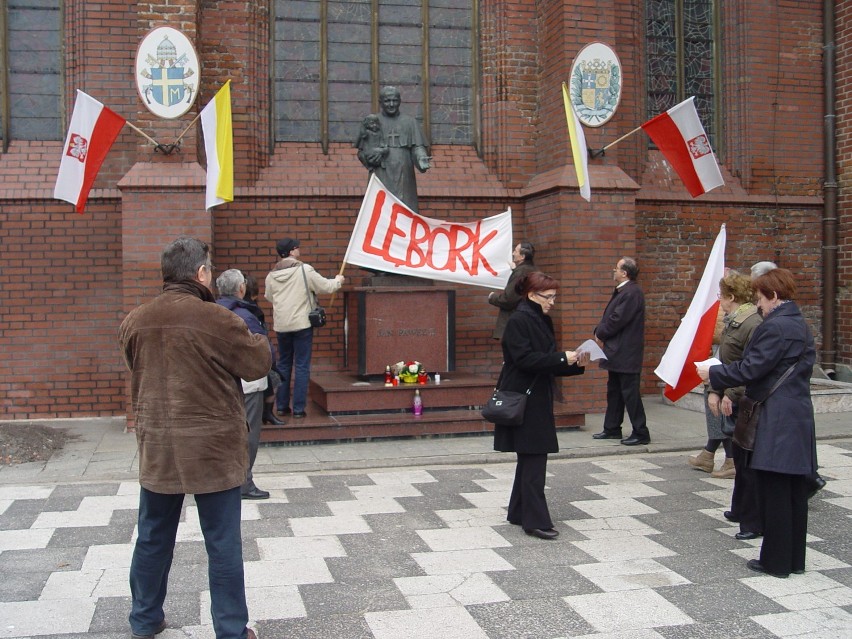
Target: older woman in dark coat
x=530 y=361
x=785 y=448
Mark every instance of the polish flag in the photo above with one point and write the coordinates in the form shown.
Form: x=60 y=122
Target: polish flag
x=694 y=337
x=679 y=135
x=91 y=133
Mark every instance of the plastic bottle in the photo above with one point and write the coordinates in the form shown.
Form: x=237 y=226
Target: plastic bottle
x=417 y=405
x=388 y=376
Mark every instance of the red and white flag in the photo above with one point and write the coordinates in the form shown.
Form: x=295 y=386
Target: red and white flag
x=681 y=138
x=694 y=337
x=91 y=133
x=390 y=237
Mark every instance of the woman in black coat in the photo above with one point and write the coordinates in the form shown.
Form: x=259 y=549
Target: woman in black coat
x=784 y=453
x=530 y=361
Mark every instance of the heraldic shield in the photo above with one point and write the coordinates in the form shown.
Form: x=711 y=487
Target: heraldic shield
x=164 y=72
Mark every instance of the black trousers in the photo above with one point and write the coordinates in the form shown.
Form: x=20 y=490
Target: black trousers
x=622 y=392
x=784 y=508
x=745 y=500
x=527 y=505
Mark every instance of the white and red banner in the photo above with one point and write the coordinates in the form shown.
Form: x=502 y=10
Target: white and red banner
x=91 y=133
x=390 y=237
x=694 y=337
x=681 y=138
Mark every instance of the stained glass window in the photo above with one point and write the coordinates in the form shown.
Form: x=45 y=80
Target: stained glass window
x=431 y=67
x=31 y=86
x=681 y=55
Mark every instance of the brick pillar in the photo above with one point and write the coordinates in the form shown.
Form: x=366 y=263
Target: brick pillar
x=162 y=196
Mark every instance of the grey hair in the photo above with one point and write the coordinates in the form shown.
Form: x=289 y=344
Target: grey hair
x=182 y=258
x=762 y=268
x=630 y=267
x=229 y=282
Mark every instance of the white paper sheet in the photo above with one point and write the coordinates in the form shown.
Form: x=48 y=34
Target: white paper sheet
x=591 y=347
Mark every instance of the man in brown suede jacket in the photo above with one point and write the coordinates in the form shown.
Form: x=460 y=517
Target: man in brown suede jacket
x=186 y=355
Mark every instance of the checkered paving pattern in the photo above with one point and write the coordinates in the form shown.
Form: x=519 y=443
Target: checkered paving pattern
x=427 y=554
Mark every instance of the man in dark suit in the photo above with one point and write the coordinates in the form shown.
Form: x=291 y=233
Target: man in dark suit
x=507 y=301
x=621 y=335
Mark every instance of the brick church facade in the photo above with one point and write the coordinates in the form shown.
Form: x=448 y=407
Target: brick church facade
x=484 y=79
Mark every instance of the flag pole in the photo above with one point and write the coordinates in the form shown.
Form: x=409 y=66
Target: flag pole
x=188 y=126
x=143 y=134
x=334 y=295
x=602 y=151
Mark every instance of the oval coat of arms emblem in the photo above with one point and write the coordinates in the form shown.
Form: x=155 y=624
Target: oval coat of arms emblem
x=167 y=72
x=595 y=86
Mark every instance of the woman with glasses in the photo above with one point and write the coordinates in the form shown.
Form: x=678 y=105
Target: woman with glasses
x=531 y=361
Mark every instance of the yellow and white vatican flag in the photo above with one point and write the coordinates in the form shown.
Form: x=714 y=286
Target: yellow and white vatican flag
x=219 y=145
x=578 y=146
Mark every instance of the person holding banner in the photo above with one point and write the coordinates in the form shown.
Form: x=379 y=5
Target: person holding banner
x=507 y=301
x=531 y=361
x=784 y=452
x=292 y=287
x=621 y=335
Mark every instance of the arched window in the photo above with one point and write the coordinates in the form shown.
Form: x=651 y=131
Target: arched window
x=30 y=70
x=331 y=57
x=683 y=58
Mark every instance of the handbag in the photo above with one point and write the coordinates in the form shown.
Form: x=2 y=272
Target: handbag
x=316 y=316
x=505 y=407
x=748 y=415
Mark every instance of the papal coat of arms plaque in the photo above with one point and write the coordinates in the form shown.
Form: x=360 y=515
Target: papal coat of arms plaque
x=167 y=72
x=595 y=86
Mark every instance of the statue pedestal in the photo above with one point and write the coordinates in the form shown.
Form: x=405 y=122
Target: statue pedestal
x=386 y=324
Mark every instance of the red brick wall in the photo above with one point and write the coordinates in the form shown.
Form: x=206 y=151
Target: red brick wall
x=69 y=278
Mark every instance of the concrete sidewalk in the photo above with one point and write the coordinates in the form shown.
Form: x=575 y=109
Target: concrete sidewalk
x=102 y=450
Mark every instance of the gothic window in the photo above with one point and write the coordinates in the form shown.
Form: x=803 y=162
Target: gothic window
x=30 y=70
x=682 y=57
x=331 y=57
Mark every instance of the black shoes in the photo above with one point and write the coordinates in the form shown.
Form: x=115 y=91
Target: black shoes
x=300 y=414
x=755 y=565
x=747 y=536
x=159 y=629
x=269 y=416
x=284 y=411
x=730 y=516
x=815 y=485
x=255 y=493
x=550 y=533
x=605 y=435
x=635 y=440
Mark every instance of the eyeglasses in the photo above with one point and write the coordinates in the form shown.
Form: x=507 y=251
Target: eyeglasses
x=550 y=298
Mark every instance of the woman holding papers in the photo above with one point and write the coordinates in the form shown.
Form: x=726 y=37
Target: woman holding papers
x=785 y=447
x=741 y=318
x=530 y=362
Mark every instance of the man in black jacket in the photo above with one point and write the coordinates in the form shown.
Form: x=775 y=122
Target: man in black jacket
x=621 y=335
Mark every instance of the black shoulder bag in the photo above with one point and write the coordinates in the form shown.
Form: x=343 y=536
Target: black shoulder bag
x=748 y=414
x=506 y=408
x=316 y=316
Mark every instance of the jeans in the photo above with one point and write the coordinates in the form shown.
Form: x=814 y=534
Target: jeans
x=294 y=350
x=219 y=516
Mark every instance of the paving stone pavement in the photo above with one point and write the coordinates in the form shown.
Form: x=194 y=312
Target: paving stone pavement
x=424 y=552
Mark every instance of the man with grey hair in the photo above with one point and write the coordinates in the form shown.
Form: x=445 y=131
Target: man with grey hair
x=183 y=352
x=232 y=289
x=621 y=335
x=762 y=268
